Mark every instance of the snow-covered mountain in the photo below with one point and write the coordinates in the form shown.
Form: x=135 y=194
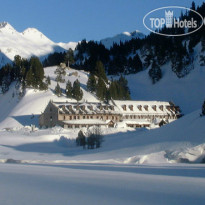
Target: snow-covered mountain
x=122 y=37
x=27 y=43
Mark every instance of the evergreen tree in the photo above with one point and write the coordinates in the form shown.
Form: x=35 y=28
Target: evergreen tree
x=203 y=109
x=101 y=89
x=155 y=72
x=60 y=71
x=5 y=84
x=37 y=69
x=81 y=140
x=48 y=80
x=100 y=71
x=17 y=66
x=57 y=90
x=148 y=56
x=68 y=90
x=136 y=64
x=69 y=57
x=123 y=89
x=29 y=78
x=77 y=93
x=91 y=141
x=97 y=136
x=59 y=78
x=43 y=86
x=91 y=84
x=203 y=44
x=113 y=90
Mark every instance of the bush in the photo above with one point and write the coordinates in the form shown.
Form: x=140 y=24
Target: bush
x=81 y=140
x=95 y=138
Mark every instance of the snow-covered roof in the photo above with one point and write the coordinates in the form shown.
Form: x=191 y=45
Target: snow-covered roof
x=143 y=107
x=84 y=107
x=120 y=107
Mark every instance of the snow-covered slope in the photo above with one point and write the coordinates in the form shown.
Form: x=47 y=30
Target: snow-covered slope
x=34 y=102
x=125 y=36
x=187 y=92
x=29 y=42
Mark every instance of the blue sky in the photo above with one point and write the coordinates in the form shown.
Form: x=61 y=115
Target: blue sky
x=74 y=20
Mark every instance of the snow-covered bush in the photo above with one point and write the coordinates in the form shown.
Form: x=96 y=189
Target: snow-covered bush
x=65 y=142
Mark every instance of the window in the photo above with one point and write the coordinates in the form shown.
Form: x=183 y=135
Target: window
x=70 y=117
x=75 y=117
x=83 y=117
x=64 y=117
x=51 y=118
x=91 y=117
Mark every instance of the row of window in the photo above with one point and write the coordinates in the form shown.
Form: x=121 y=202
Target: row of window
x=146 y=116
x=77 y=117
x=146 y=107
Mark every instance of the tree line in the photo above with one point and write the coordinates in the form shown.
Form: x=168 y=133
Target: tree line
x=26 y=72
x=74 y=91
x=105 y=90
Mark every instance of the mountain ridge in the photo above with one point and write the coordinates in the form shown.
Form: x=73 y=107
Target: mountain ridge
x=122 y=37
x=30 y=42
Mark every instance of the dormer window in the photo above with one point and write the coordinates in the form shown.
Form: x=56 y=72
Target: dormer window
x=154 y=107
x=131 y=107
x=112 y=107
x=90 y=107
x=161 y=107
x=139 y=107
x=124 y=107
x=146 y=107
x=168 y=107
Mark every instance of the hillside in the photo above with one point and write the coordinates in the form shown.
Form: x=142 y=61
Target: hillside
x=34 y=102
